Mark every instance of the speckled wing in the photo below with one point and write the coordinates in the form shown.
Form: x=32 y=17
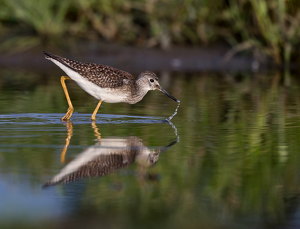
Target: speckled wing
x=101 y=75
x=102 y=165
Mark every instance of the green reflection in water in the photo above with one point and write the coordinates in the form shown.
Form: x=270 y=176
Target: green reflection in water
x=236 y=164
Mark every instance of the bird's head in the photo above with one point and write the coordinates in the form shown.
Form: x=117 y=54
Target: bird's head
x=150 y=82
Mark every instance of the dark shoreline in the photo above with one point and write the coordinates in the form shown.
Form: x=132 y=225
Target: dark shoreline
x=140 y=59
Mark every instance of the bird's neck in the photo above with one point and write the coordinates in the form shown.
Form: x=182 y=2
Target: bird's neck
x=139 y=91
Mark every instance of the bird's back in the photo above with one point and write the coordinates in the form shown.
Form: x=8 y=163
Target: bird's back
x=101 y=75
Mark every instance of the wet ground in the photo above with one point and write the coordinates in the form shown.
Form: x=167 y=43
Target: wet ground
x=229 y=158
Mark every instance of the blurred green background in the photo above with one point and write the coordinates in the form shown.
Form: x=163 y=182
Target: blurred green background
x=264 y=28
x=237 y=162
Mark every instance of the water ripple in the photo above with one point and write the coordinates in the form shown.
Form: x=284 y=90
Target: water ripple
x=54 y=118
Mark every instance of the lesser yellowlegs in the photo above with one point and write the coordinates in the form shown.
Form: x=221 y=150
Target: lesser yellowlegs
x=105 y=83
x=107 y=156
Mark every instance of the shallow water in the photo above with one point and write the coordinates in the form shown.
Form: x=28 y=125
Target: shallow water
x=229 y=158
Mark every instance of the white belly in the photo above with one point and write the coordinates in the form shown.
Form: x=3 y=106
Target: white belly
x=106 y=94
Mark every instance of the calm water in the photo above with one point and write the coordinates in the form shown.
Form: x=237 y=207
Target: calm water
x=229 y=159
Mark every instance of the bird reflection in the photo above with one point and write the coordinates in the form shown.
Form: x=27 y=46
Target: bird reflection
x=105 y=157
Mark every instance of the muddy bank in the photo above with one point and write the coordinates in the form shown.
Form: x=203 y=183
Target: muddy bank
x=140 y=59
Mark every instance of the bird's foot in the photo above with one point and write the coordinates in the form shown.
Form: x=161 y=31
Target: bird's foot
x=68 y=114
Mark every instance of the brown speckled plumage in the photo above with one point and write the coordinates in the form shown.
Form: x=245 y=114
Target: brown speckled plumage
x=105 y=83
x=101 y=75
x=103 y=165
x=112 y=159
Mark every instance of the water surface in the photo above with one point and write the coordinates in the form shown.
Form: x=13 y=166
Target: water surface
x=229 y=159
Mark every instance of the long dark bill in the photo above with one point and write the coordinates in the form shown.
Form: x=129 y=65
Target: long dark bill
x=167 y=94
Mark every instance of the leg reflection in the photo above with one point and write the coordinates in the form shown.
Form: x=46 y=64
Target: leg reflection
x=69 y=125
x=69 y=135
x=96 y=130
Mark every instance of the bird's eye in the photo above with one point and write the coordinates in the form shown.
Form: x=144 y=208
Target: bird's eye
x=151 y=80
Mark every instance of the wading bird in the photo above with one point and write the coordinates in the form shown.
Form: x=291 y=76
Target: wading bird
x=105 y=83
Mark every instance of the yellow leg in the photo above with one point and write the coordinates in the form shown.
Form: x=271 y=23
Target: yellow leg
x=97 y=134
x=93 y=118
x=70 y=109
x=69 y=135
